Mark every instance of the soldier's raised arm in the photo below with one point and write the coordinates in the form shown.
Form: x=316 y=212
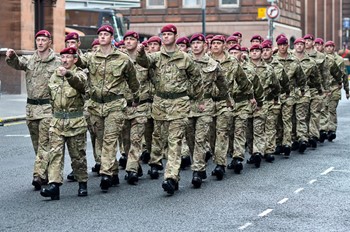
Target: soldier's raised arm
x=15 y=61
x=78 y=80
x=143 y=59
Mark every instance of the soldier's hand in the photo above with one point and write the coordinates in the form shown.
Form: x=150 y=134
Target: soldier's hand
x=62 y=70
x=10 y=52
x=201 y=107
x=339 y=86
x=253 y=101
x=347 y=96
x=229 y=104
x=141 y=48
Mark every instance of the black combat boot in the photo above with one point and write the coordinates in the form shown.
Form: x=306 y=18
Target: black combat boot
x=170 y=185
x=131 y=177
x=106 y=182
x=82 y=191
x=269 y=158
x=145 y=157
x=219 y=172
x=302 y=146
x=331 y=136
x=123 y=160
x=208 y=156
x=198 y=177
x=37 y=183
x=96 y=168
x=236 y=165
x=313 y=142
x=71 y=177
x=286 y=151
x=139 y=171
x=323 y=136
x=185 y=162
x=278 y=150
x=295 y=145
x=114 y=180
x=52 y=191
x=154 y=171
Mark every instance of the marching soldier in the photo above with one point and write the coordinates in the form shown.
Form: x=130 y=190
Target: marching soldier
x=176 y=79
x=68 y=126
x=38 y=67
x=111 y=74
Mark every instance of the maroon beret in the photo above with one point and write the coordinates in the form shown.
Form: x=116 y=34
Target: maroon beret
x=210 y=36
x=169 y=28
x=255 y=46
x=145 y=43
x=155 y=39
x=131 y=34
x=72 y=35
x=198 y=36
x=44 y=33
x=244 y=49
x=121 y=42
x=107 y=28
x=329 y=43
x=319 y=40
x=238 y=34
x=282 y=40
x=95 y=42
x=299 y=40
x=235 y=47
x=218 y=37
x=266 y=44
x=309 y=36
x=258 y=37
x=183 y=40
x=232 y=38
x=69 y=50
x=280 y=36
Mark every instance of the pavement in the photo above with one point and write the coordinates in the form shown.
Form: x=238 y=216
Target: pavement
x=12 y=108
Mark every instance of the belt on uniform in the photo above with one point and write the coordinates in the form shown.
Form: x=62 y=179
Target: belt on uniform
x=106 y=99
x=38 y=101
x=220 y=98
x=240 y=98
x=207 y=95
x=67 y=115
x=171 y=95
x=129 y=103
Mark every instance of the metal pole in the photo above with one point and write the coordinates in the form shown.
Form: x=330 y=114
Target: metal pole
x=203 y=16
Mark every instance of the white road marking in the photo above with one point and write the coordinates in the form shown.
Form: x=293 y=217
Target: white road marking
x=284 y=200
x=26 y=136
x=245 y=226
x=312 y=181
x=327 y=171
x=298 y=190
x=14 y=123
x=266 y=212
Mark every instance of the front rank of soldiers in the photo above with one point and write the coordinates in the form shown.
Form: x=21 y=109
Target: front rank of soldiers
x=179 y=99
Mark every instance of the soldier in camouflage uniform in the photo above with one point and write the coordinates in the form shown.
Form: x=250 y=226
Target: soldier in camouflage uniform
x=297 y=83
x=335 y=89
x=111 y=74
x=68 y=126
x=38 y=67
x=176 y=79
x=202 y=111
x=271 y=91
x=275 y=108
x=137 y=113
x=240 y=89
x=316 y=101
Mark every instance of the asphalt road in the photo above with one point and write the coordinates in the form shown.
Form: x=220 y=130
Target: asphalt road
x=307 y=192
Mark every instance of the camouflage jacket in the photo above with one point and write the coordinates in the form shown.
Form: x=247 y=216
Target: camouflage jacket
x=38 y=73
x=322 y=65
x=212 y=77
x=344 y=77
x=239 y=87
x=335 y=78
x=312 y=73
x=67 y=95
x=280 y=74
x=176 y=79
x=268 y=80
x=296 y=76
x=109 y=78
x=254 y=79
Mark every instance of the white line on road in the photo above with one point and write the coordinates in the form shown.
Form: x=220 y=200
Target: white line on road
x=312 y=181
x=284 y=200
x=245 y=226
x=266 y=212
x=298 y=190
x=26 y=136
x=327 y=171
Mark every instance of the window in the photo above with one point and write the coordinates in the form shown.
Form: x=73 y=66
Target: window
x=155 y=3
x=191 y=3
x=228 y=3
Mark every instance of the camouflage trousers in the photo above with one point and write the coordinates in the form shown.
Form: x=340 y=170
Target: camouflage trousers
x=148 y=134
x=134 y=133
x=198 y=140
x=240 y=120
x=175 y=131
x=223 y=125
x=39 y=134
x=97 y=157
x=315 y=107
x=284 y=122
x=300 y=115
x=107 y=130
x=332 y=109
x=77 y=151
x=256 y=131
x=272 y=113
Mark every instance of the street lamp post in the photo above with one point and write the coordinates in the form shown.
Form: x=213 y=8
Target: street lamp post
x=203 y=16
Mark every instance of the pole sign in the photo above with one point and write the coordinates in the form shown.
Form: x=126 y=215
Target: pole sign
x=273 y=12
